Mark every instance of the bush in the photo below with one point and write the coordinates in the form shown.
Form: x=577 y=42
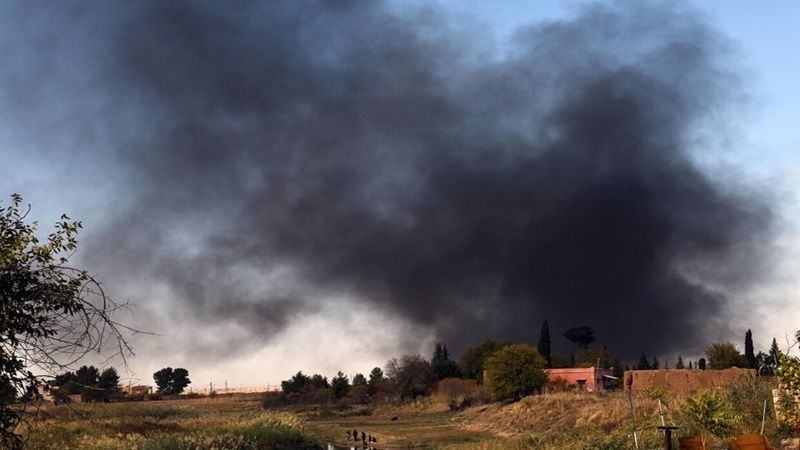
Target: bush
x=515 y=371
x=459 y=393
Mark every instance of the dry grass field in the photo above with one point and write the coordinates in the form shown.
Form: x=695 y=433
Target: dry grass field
x=563 y=421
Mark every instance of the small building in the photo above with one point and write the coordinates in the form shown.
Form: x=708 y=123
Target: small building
x=584 y=379
x=137 y=390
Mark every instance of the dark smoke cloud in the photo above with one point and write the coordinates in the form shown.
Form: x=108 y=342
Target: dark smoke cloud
x=279 y=154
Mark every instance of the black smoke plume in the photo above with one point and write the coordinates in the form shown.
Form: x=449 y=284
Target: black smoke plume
x=275 y=155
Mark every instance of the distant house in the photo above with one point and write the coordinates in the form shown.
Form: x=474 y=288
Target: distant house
x=137 y=390
x=585 y=379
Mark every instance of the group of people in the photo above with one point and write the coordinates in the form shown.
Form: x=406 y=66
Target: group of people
x=365 y=438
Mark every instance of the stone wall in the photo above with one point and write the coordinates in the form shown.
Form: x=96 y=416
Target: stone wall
x=683 y=380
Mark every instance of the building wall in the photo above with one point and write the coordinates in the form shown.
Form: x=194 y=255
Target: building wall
x=592 y=376
x=684 y=380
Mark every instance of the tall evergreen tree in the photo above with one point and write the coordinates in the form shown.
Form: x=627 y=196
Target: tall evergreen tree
x=545 y=343
x=774 y=351
x=701 y=364
x=655 y=364
x=442 y=365
x=690 y=365
x=679 y=364
x=749 y=352
x=644 y=363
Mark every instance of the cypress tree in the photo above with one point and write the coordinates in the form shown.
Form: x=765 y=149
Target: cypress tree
x=655 y=364
x=644 y=364
x=544 y=343
x=679 y=364
x=749 y=352
x=701 y=364
x=774 y=351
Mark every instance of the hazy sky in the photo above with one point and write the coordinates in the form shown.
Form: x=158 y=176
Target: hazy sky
x=302 y=186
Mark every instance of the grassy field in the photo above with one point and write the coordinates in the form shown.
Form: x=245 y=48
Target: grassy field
x=565 y=421
x=219 y=423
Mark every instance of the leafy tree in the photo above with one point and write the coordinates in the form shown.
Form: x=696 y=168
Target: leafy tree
x=359 y=380
x=515 y=371
x=295 y=385
x=545 y=343
x=723 y=355
x=317 y=381
x=701 y=364
x=339 y=385
x=376 y=379
x=108 y=382
x=180 y=379
x=643 y=364
x=443 y=367
x=749 y=351
x=679 y=364
x=87 y=378
x=471 y=362
x=50 y=311
x=410 y=376
x=591 y=356
x=711 y=413
x=581 y=336
x=172 y=382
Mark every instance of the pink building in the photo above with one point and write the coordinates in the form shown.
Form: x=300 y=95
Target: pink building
x=588 y=379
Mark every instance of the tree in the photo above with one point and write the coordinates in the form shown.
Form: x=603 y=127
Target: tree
x=471 y=362
x=749 y=351
x=443 y=367
x=679 y=364
x=180 y=379
x=51 y=313
x=295 y=385
x=410 y=376
x=317 y=381
x=581 y=336
x=515 y=371
x=376 y=379
x=87 y=378
x=359 y=380
x=643 y=364
x=172 y=382
x=701 y=364
x=594 y=356
x=723 y=355
x=655 y=364
x=108 y=382
x=690 y=365
x=775 y=353
x=339 y=385
x=711 y=413
x=545 y=343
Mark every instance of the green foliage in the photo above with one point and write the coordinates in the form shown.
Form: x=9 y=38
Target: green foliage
x=471 y=362
x=339 y=385
x=376 y=380
x=545 y=343
x=581 y=336
x=514 y=371
x=359 y=380
x=443 y=367
x=679 y=364
x=710 y=413
x=749 y=351
x=723 y=355
x=171 y=382
x=45 y=307
x=788 y=374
